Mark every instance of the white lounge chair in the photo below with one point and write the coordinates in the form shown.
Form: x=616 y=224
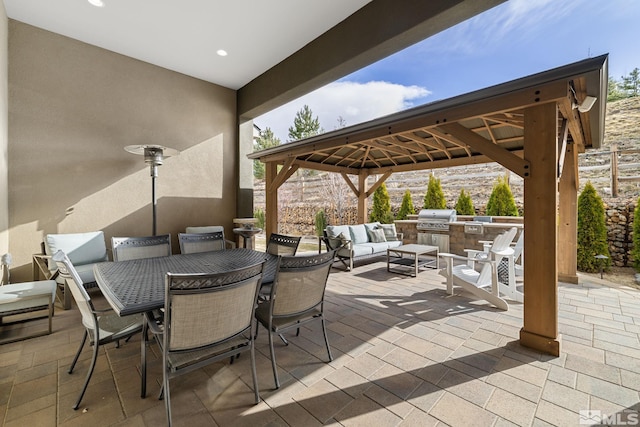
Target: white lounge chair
x=484 y=283
x=510 y=268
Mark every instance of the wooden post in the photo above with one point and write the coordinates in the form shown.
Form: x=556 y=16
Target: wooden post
x=362 y=196
x=271 y=199
x=540 y=330
x=568 y=223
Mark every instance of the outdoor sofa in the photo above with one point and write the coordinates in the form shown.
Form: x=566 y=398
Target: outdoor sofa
x=361 y=241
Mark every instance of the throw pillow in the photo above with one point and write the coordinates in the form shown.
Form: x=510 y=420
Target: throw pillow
x=376 y=236
x=343 y=239
x=390 y=232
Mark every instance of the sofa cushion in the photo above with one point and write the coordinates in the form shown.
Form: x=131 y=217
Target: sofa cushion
x=390 y=232
x=376 y=235
x=333 y=233
x=394 y=243
x=358 y=234
x=81 y=248
x=372 y=225
x=376 y=247
x=362 y=249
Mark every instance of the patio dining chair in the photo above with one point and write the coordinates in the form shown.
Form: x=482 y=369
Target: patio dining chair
x=191 y=243
x=280 y=244
x=297 y=297
x=129 y=248
x=207 y=318
x=101 y=326
x=229 y=244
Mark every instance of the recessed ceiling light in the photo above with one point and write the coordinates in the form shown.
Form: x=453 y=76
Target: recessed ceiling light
x=221 y=52
x=96 y=3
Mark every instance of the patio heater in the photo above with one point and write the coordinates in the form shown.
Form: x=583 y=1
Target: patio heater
x=153 y=156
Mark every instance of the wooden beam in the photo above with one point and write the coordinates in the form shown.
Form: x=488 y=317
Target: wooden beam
x=540 y=329
x=568 y=218
x=564 y=135
x=504 y=157
x=378 y=183
x=285 y=173
x=326 y=167
x=350 y=184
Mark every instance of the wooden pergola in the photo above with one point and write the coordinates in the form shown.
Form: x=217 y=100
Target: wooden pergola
x=532 y=126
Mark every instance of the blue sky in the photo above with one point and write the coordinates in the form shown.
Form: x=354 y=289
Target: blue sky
x=513 y=40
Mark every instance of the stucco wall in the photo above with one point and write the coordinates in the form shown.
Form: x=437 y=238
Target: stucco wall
x=4 y=209
x=72 y=110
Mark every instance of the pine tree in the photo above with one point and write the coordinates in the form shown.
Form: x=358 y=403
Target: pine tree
x=265 y=140
x=434 y=199
x=631 y=83
x=592 y=231
x=635 y=252
x=381 y=209
x=406 y=207
x=501 y=201
x=464 y=205
x=304 y=125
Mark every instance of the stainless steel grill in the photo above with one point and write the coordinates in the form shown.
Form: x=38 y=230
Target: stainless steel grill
x=435 y=219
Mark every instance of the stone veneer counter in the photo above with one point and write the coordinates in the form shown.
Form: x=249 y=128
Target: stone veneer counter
x=458 y=239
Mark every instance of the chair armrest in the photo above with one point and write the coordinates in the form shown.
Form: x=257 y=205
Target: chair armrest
x=230 y=244
x=154 y=323
x=40 y=264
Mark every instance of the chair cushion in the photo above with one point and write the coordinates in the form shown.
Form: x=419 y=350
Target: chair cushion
x=22 y=296
x=390 y=232
x=376 y=235
x=358 y=234
x=81 y=248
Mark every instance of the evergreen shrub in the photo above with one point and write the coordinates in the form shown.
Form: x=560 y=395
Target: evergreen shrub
x=406 y=207
x=434 y=199
x=501 y=201
x=381 y=209
x=592 y=231
x=464 y=205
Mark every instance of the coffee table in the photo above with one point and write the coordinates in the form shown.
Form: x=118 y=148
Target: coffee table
x=409 y=255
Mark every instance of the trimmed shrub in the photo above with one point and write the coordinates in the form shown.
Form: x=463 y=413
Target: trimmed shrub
x=464 y=205
x=635 y=252
x=321 y=222
x=259 y=215
x=406 y=207
x=592 y=231
x=501 y=201
x=381 y=209
x=434 y=199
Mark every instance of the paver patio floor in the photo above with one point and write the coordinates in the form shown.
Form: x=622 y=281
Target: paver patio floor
x=405 y=354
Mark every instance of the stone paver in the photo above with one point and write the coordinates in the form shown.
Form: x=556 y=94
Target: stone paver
x=405 y=354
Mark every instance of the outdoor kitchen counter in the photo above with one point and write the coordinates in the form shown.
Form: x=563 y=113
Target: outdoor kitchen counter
x=459 y=240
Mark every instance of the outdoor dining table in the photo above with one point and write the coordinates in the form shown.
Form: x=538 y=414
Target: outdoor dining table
x=138 y=286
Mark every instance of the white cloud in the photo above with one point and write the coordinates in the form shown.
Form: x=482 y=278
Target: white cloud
x=354 y=102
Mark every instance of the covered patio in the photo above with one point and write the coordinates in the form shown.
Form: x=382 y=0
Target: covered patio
x=405 y=354
x=534 y=126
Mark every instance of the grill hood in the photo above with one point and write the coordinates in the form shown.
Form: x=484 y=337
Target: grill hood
x=437 y=215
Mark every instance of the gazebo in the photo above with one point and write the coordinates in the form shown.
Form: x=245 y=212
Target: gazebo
x=534 y=126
